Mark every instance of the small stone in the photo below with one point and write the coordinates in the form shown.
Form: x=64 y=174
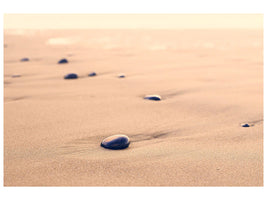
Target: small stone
x=24 y=59
x=121 y=76
x=92 y=74
x=245 y=125
x=153 y=97
x=116 y=142
x=16 y=76
x=63 y=61
x=71 y=76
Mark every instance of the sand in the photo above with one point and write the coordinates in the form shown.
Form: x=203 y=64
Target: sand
x=210 y=81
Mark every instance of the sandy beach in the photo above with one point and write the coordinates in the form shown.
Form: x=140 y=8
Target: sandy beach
x=210 y=81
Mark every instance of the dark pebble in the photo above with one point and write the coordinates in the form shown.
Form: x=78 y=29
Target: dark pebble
x=121 y=76
x=71 y=76
x=24 y=59
x=153 y=97
x=63 y=61
x=92 y=74
x=116 y=142
x=245 y=125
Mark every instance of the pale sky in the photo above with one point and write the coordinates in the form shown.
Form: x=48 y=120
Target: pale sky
x=124 y=21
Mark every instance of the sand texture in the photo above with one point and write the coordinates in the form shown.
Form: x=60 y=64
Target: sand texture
x=210 y=81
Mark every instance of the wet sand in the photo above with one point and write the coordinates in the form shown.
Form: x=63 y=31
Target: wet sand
x=210 y=81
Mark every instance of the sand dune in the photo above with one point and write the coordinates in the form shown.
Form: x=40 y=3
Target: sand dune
x=210 y=81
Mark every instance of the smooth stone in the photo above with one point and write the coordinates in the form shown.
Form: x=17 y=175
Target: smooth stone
x=245 y=125
x=121 y=76
x=71 y=76
x=116 y=142
x=63 y=61
x=92 y=74
x=24 y=59
x=16 y=76
x=153 y=97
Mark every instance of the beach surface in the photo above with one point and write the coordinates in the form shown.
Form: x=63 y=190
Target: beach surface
x=210 y=81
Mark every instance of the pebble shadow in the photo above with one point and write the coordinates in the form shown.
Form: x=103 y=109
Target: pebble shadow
x=91 y=145
x=143 y=137
x=11 y=99
x=252 y=123
x=167 y=95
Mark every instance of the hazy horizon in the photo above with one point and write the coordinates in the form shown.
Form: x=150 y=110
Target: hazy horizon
x=133 y=21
